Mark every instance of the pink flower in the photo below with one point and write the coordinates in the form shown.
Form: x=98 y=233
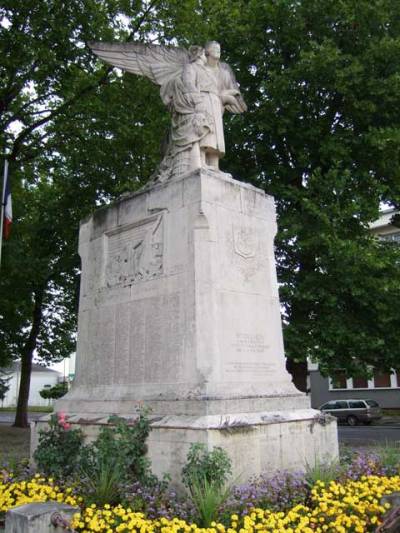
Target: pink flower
x=62 y=421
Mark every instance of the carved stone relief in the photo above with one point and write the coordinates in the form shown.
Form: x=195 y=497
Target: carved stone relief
x=134 y=253
x=245 y=245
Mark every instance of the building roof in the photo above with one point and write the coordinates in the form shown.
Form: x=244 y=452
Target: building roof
x=16 y=367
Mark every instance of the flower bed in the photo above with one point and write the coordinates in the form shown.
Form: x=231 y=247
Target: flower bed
x=351 y=506
x=37 y=489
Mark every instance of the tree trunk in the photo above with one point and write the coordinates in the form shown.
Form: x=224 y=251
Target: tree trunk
x=21 y=415
x=299 y=373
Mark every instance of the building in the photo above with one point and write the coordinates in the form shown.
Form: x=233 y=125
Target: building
x=382 y=387
x=41 y=378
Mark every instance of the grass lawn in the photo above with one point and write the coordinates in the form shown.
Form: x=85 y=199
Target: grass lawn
x=14 y=443
x=31 y=409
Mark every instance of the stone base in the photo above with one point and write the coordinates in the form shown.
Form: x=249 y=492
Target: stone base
x=257 y=442
x=179 y=310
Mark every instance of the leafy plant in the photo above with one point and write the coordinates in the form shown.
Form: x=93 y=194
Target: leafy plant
x=103 y=481
x=324 y=471
x=214 y=466
x=116 y=459
x=389 y=454
x=59 y=448
x=55 y=392
x=208 y=498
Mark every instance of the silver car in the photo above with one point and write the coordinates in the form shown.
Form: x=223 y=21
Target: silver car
x=353 y=411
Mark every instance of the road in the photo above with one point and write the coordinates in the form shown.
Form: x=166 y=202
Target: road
x=7 y=417
x=367 y=435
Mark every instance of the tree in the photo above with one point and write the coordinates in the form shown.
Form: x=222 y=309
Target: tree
x=321 y=79
x=49 y=92
x=321 y=136
x=55 y=392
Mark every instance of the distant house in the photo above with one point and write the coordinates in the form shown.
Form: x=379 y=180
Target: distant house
x=384 y=229
x=382 y=387
x=41 y=378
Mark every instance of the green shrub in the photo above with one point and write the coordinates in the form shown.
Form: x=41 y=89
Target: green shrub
x=325 y=471
x=55 y=392
x=205 y=474
x=115 y=459
x=59 y=448
x=208 y=499
x=214 y=466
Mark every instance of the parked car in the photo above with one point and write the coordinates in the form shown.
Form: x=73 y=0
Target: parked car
x=353 y=411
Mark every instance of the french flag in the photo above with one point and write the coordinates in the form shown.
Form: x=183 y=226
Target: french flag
x=7 y=206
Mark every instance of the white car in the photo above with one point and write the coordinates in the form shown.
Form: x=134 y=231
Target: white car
x=353 y=411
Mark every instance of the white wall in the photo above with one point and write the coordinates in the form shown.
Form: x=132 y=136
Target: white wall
x=38 y=381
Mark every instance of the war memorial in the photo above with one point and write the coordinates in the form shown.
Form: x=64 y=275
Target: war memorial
x=179 y=305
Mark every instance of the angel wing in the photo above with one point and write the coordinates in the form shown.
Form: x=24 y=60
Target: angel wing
x=159 y=63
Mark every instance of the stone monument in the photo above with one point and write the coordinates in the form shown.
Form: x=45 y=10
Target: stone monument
x=179 y=305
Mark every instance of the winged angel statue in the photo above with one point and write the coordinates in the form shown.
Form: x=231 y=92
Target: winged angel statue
x=196 y=88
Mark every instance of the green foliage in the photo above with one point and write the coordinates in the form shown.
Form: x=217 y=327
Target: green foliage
x=389 y=454
x=102 y=481
x=58 y=451
x=126 y=443
x=205 y=475
x=213 y=467
x=55 y=392
x=321 y=79
x=54 y=100
x=102 y=468
x=208 y=498
x=116 y=458
x=322 y=470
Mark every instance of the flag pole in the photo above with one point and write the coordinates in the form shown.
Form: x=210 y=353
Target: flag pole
x=5 y=174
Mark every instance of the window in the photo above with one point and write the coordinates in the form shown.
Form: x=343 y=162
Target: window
x=382 y=380
x=357 y=405
x=360 y=383
x=391 y=237
x=339 y=381
x=372 y=403
x=341 y=404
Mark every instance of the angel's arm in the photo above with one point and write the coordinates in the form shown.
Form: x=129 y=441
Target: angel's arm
x=231 y=96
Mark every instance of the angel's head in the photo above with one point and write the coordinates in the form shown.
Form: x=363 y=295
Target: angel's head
x=196 y=53
x=213 y=49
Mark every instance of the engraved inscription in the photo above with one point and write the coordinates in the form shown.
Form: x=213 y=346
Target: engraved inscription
x=156 y=339
x=135 y=253
x=250 y=343
x=248 y=366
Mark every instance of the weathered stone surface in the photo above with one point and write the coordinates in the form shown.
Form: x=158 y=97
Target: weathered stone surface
x=37 y=517
x=182 y=303
x=179 y=308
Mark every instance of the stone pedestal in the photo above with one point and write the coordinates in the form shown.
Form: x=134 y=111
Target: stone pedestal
x=179 y=309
